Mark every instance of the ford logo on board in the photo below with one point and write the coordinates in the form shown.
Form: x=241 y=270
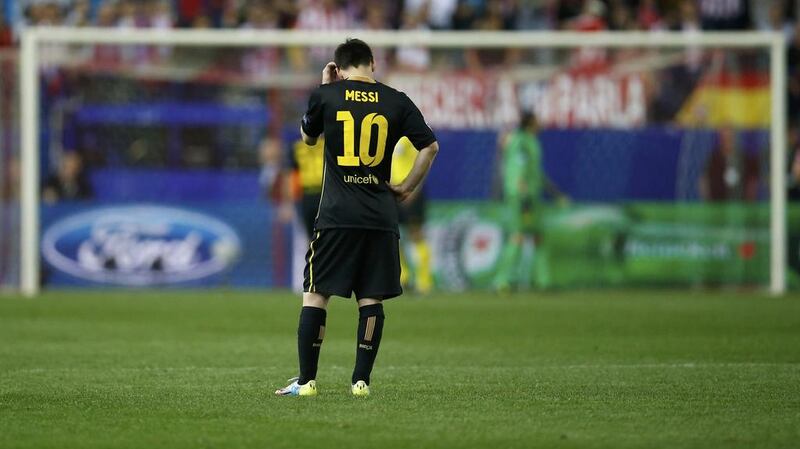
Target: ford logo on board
x=140 y=245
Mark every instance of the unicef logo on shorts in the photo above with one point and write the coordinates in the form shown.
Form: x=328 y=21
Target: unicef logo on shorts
x=140 y=245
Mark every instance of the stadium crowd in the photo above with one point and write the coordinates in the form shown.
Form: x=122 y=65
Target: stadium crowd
x=578 y=15
x=585 y=15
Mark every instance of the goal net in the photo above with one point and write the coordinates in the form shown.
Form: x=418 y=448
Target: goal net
x=171 y=158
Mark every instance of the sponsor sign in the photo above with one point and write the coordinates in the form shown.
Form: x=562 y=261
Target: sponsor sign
x=587 y=100
x=461 y=101
x=140 y=245
x=576 y=99
x=630 y=245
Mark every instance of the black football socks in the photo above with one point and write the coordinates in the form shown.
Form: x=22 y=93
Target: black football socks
x=370 y=329
x=310 y=333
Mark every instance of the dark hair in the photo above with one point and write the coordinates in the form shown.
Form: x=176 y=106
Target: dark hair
x=526 y=116
x=352 y=53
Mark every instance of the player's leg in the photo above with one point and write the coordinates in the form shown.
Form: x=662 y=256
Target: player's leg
x=311 y=328
x=508 y=265
x=379 y=280
x=326 y=274
x=406 y=276
x=406 y=271
x=422 y=259
x=368 y=338
x=310 y=333
x=533 y=225
x=423 y=279
x=541 y=264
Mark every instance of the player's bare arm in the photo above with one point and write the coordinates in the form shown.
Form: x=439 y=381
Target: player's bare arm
x=329 y=74
x=419 y=171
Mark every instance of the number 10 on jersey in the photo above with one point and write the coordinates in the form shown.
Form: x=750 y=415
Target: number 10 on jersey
x=350 y=159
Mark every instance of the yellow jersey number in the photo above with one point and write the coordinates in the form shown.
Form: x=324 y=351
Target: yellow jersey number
x=350 y=159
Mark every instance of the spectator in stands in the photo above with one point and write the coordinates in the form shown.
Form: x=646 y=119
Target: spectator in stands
x=80 y=14
x=731 y=174
x=129 y=16
x=159 y=14
x=438 y=14
x=6 y=34
x=188 y=11
x=287 y=12
x=320 y=15
x=214 y=10
x=264 y=60
x=70 y=182
x=725 y=14
x=202 y=22
x=568 y=10
x=690 y=23
x=536 y=15
x=778 y=20
x=107 y=15
x=230 y=17
x=463 y=16
x=47 y=13
x=591 y=18
x=649 y=16
x=620 y=17
x=416 y=59
x=260 y=16
x=375 y=20
x=133 y=14
x=495 y=18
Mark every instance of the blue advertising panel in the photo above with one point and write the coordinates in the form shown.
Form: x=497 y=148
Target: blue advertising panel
x=231 y=243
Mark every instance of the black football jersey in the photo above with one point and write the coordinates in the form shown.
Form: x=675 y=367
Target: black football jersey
x=362 y=121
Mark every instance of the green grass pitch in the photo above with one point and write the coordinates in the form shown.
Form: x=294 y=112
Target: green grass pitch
x=198 y=369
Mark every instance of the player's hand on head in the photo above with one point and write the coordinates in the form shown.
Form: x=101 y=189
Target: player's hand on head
x=330 y=73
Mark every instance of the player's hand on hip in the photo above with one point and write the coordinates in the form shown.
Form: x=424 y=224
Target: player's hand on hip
x=400 y=192
x=330 y=73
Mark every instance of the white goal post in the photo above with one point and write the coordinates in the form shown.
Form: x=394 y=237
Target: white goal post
x=33 y=38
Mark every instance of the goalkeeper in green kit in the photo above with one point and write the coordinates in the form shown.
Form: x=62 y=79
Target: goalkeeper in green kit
x=523 y=182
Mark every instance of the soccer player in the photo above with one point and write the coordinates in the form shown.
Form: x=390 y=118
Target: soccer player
x=524 y=180
x=307 y=161
x=355 y=247
x=412 y=221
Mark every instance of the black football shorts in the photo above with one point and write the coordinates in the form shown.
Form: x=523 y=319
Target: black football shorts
x=341 y=262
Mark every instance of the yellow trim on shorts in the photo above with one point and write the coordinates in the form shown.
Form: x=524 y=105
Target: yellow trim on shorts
x=311 y=265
